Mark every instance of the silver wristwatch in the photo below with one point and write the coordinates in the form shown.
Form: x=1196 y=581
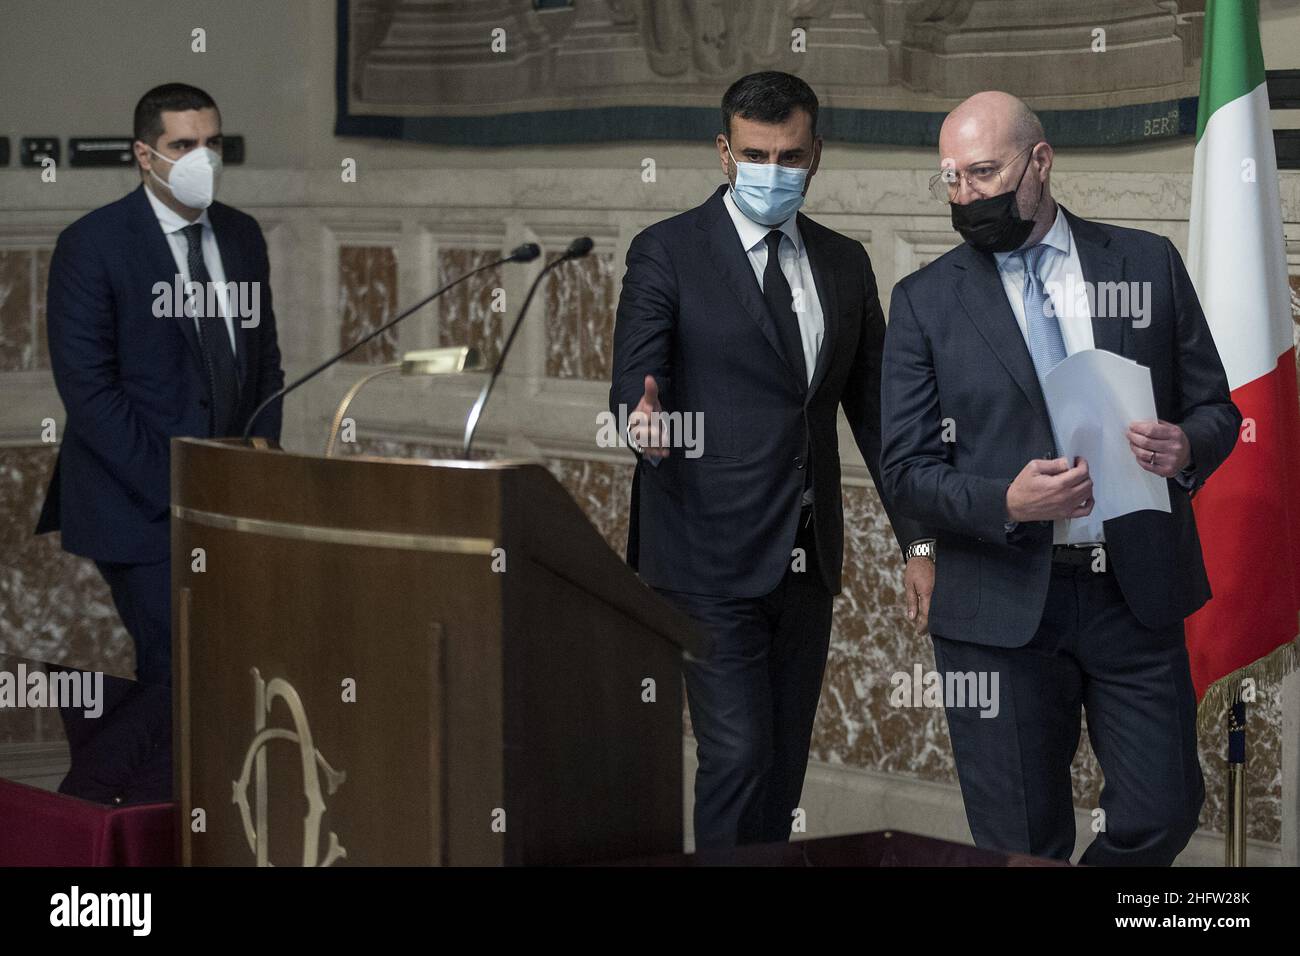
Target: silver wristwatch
x=920 y=549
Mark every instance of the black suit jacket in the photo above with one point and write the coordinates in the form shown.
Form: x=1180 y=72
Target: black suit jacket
x=692 y=314
x=131 y=380
x=954 y=351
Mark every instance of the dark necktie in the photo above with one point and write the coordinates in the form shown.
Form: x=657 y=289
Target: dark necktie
x=214 y=341
x=780 y=302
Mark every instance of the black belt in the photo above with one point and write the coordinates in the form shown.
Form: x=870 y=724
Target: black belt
x=1080 y=555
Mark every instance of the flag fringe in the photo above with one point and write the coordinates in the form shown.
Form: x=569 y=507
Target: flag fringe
x=1275 y=665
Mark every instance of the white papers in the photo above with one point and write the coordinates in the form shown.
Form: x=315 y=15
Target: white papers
x=1092 y=397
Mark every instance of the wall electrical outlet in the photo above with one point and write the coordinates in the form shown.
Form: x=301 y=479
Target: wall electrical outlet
x=32 y=150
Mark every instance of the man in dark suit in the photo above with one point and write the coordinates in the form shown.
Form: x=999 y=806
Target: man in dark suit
x=1067 y=611
x=757 y=323
x=139 y=357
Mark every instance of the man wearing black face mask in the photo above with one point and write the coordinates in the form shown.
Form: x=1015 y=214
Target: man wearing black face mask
x=1067 y=611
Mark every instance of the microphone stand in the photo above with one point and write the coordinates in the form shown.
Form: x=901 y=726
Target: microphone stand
x=577 y=249
x=525 y=253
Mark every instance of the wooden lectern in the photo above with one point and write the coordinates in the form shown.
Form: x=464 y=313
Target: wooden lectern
x=383 y=661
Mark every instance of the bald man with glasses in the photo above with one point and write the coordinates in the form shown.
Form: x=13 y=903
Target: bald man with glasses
x=1074 y=615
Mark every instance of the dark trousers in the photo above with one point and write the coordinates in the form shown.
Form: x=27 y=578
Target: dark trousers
x=1135 y=686
x=753 y=702
x=142 y=594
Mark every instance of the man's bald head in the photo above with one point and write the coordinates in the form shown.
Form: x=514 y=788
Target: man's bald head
x=997 y=144
x=991 y=120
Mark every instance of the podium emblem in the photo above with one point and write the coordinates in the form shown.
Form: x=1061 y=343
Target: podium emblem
x=254 y=771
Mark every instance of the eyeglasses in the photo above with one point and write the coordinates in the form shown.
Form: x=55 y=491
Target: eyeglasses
x=987 y=179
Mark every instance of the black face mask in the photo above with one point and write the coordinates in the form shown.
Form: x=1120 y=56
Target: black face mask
x=994 y=224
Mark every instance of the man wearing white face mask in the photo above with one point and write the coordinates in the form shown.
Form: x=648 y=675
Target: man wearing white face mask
x=757 y=320
x=137 y=362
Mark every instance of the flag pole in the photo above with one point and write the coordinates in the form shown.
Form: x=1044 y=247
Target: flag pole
x=1234 y=836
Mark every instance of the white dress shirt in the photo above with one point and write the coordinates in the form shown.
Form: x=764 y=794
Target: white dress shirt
x=794 y=266
x=1062 y=277
x=172 y=223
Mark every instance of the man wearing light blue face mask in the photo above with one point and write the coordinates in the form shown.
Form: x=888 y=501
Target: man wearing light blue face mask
x=759 y=323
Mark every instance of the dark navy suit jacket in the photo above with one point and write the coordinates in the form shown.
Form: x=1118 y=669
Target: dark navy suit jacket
x=692 y=314
x=955 y=351
x=131 y=381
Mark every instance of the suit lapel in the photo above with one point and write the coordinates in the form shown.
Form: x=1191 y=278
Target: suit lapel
x=980 y=291
x=1100 y=265
x=732 y=264
x=162 y=263
x=824 y=279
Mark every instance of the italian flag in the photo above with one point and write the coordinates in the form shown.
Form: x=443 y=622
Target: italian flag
x=1248 y=514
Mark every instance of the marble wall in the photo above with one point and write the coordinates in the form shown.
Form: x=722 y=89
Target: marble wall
x=472 y=314
x=53 y=605
x=579 y=308
x=342 y=267
x=22 y=308
x=367 y=300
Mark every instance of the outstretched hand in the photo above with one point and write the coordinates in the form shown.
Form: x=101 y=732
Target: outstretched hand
x=646 y=425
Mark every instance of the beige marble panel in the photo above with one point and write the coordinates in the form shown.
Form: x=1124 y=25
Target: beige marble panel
x=870 y=641
x=17 y=274
x=1263 y=767
x=580 y=301
x=41 y=357
x=54 y=606
x=465 y=313
x=367 y=299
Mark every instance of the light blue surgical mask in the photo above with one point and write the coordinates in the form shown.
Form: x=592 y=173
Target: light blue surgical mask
x=768 y=193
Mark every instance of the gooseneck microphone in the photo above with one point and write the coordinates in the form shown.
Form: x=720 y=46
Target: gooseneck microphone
x=525 y=253
x=577 y=249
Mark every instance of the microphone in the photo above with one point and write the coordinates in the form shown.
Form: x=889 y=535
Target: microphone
x=525 y=253
x=577 y=249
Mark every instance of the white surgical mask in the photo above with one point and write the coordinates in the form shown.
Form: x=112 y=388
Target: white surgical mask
x=194 y=176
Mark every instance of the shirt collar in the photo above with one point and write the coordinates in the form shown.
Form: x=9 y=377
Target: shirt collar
x=753 y=233
x=1058 y=238
x=170 y=220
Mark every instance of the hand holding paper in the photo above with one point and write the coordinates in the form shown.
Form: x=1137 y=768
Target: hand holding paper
x=1160 y=447
x=1092 y=397
x=1048 y=489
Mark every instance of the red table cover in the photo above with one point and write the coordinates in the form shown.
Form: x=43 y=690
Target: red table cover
x=41 y=828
